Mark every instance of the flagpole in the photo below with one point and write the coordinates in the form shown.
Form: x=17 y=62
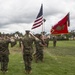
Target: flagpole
x=42 y=28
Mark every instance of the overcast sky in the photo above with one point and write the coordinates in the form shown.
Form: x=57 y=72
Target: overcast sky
x=19 y=15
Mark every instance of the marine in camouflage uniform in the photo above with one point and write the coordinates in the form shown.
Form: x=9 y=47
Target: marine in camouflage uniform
x=39 y=45
x=54 y=41
x=47 y=41
x=4 y=53
x=27 y=42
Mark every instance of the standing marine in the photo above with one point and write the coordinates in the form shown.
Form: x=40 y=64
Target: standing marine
x=27 y=48
x=39 y=46
x=54 y=41
x=4 y=52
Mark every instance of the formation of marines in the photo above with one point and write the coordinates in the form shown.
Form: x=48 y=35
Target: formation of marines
x=26 y=43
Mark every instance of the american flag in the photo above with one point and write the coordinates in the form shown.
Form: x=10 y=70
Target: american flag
x=39 y=19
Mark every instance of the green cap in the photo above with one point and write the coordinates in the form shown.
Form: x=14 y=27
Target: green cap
x=27 y=31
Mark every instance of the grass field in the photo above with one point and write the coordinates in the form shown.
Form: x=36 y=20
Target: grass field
x=57 y=61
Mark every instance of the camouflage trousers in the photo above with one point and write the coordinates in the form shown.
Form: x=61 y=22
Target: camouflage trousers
x=39 y=55
x=4 y=59
x=27 y=61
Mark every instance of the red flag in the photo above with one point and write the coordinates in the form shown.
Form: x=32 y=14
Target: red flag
x=62 y=26
x=39 y=19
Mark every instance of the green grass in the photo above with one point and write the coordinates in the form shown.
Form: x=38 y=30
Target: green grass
x=57 y=61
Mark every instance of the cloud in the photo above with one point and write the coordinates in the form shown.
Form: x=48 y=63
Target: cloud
x=22 y=13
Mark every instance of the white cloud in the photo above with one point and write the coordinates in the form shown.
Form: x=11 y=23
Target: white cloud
x=18 y=15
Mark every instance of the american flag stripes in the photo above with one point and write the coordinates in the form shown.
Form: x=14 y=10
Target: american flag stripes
x=39 y=19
